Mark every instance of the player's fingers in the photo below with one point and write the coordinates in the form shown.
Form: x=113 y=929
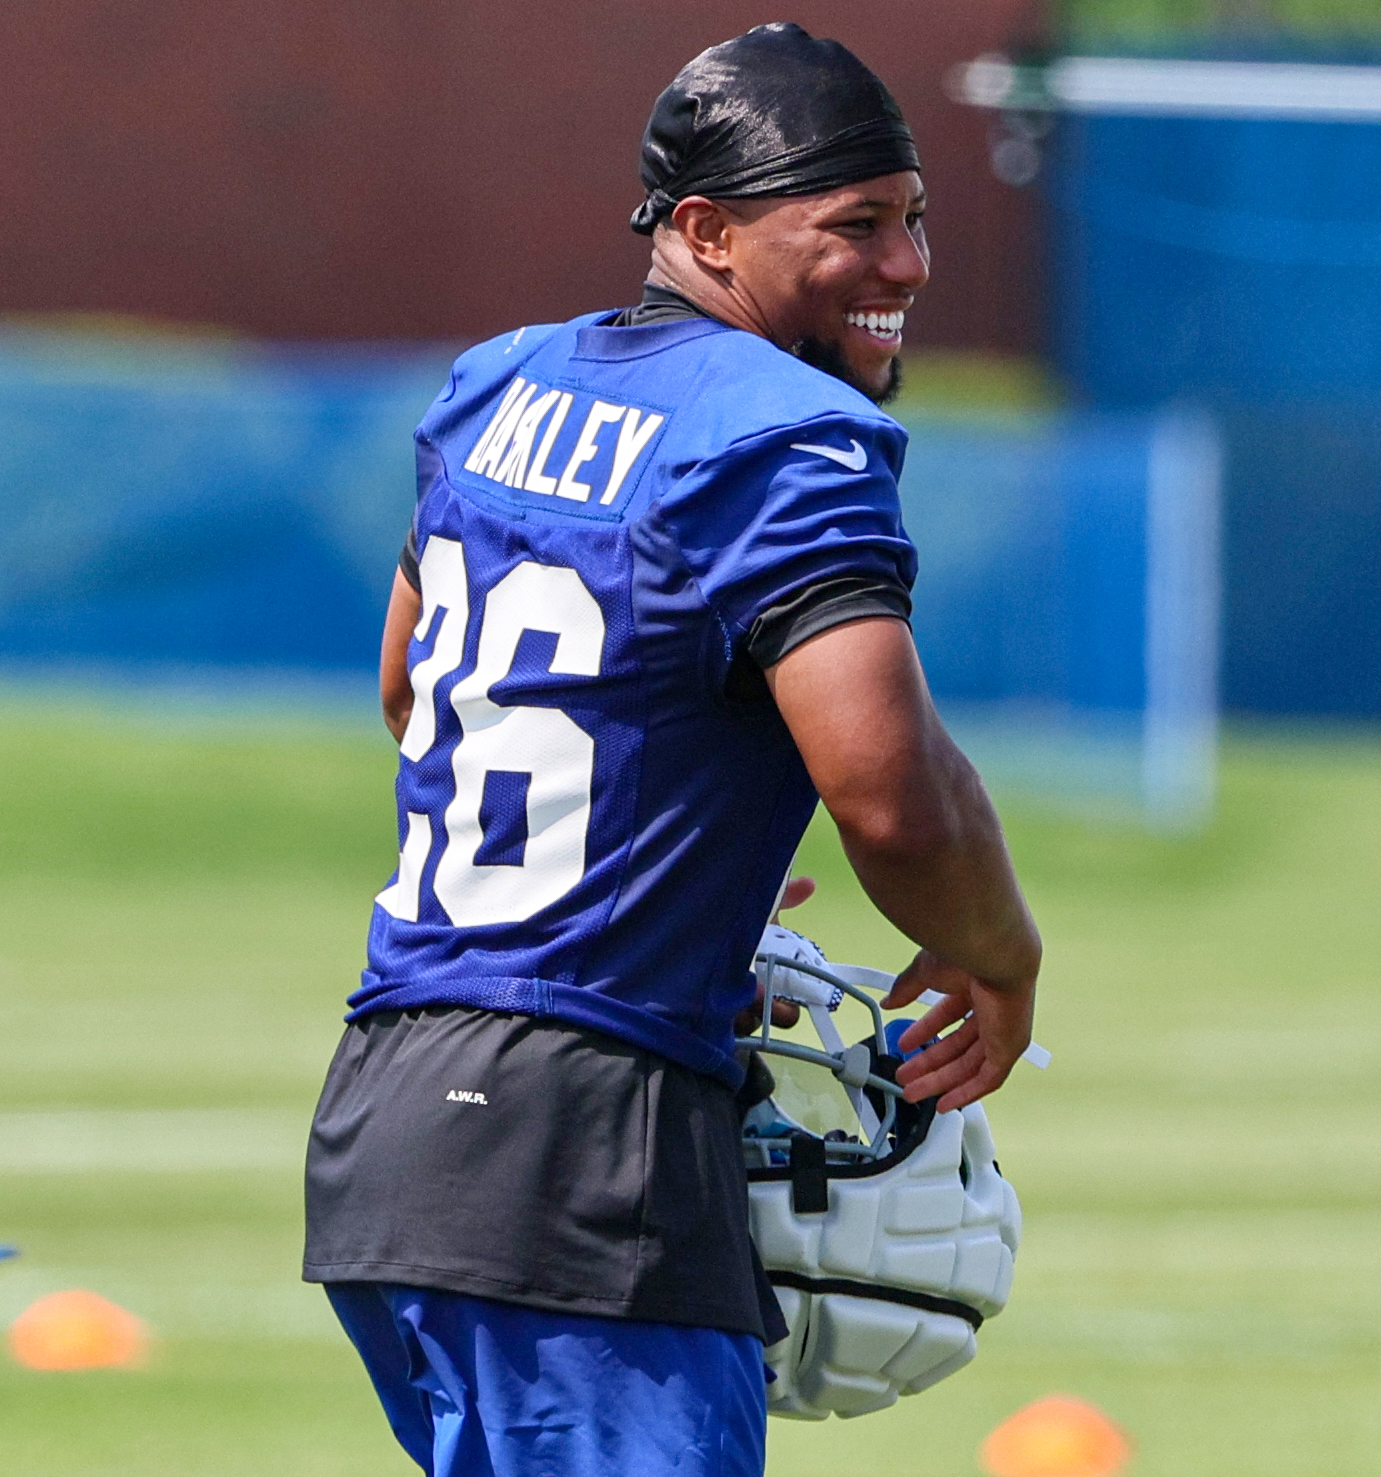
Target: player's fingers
x=910 y=982
x=1005 y=1024
x=784 y=1012
x=988 y=1079
x=903 y=992
x=940 y=1054
x=943 y=1013
x=797 y=891
x=926 y=971
x=946 y=1078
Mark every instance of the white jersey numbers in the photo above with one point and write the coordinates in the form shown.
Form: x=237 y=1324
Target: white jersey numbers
x=445 y=587
x=402 y=897
x=538 y=760
x=541 y=742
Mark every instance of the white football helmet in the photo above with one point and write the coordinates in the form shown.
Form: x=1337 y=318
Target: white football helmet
x=888 y=1246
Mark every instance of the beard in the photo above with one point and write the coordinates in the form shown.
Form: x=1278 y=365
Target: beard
x=830 y=359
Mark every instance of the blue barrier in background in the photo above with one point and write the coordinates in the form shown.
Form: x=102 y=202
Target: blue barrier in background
x=1217 y=258
x=1236 y=262
x=188 y=503
x=235 y=507
x=1066 y=608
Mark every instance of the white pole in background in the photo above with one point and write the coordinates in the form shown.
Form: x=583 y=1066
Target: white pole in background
x=1183 y=599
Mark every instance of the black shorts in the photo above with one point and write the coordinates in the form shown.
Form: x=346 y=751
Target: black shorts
x=524 y=1159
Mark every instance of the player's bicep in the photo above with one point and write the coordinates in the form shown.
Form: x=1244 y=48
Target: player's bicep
x=856 y=702
x=395 y=686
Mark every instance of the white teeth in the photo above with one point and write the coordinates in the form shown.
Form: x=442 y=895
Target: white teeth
x=880 y=325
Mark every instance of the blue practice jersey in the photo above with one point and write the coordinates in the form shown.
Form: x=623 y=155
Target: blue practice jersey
x=594 y=816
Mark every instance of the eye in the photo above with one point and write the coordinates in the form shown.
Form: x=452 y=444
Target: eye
x=914 y=218
x=860 y=226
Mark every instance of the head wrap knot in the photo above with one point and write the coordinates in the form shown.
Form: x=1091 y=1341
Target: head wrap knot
x=772 y=112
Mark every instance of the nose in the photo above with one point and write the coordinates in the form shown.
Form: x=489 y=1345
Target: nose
x=907 y=261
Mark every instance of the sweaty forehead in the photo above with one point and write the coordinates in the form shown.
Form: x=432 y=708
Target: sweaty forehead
x=902 y=191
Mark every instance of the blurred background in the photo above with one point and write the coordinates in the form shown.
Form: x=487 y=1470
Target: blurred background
x=241 y=245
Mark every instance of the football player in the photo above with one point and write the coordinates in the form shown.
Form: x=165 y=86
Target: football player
x=652 y=607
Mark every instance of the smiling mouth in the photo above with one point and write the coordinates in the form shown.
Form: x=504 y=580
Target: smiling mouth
x=885 y=327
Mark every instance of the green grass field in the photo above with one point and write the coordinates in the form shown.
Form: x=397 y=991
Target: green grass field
x=183 y=909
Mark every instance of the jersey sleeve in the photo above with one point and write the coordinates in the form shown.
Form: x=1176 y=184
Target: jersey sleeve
x=831 y=602
x=791 y=530
x=409 y=566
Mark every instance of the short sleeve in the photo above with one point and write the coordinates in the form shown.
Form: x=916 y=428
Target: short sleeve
x=788 y=511
x=408 y=564
x=831 y=602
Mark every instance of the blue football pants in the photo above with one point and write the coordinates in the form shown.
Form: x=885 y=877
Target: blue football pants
x=475 y=1388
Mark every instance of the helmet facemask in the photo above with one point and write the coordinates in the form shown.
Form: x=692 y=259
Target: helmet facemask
x=885 y=1228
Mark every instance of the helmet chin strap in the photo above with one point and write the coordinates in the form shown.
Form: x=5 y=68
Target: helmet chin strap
x=863 y=977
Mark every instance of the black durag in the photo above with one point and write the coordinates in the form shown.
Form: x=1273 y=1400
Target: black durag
x=772 y=112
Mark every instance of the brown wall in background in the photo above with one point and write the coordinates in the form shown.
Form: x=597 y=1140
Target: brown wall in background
x=424 y=169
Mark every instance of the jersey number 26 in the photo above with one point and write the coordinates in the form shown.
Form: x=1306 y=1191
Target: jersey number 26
x=544 y=743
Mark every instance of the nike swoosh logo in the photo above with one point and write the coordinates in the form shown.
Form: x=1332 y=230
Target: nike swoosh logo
x=854 y=460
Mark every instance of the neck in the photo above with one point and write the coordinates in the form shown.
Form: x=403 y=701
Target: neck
x=717 y=294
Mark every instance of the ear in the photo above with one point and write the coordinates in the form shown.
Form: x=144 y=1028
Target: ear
x=707 y=228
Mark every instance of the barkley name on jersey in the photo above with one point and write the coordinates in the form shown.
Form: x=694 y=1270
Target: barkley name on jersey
x=597 y=797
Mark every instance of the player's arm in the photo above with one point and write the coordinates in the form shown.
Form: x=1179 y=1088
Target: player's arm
x=926 y=843
x=395 y=686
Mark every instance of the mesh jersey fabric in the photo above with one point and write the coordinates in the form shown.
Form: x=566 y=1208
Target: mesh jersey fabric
x=780 y=628
x=593 y=819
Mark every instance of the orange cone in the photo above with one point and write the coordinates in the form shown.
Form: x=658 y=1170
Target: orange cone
x=77 y=1330
x=1056 y=1437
